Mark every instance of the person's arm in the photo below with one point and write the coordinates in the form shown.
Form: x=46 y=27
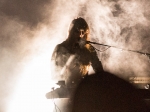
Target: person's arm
x=59 y=62
x=96 y=63
x=55 y=68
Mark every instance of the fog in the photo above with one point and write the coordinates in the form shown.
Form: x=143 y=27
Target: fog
x=30 y=30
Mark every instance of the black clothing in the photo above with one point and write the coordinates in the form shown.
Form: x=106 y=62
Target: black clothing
x=80 y=60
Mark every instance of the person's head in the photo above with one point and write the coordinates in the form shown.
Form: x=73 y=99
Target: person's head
x=78 y=29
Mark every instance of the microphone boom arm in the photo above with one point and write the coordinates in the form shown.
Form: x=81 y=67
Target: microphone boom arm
x=118 y=48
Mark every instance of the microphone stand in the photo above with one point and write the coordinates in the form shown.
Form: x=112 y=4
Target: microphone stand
x=118 y=48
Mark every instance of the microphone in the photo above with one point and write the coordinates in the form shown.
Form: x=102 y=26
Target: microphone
x=82 y=42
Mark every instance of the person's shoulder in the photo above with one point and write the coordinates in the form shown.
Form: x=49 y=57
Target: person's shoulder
x=61 y=47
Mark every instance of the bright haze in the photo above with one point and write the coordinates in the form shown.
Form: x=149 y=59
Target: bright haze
x=30 y=29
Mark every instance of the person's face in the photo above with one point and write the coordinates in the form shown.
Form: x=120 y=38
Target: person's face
x=80 y=33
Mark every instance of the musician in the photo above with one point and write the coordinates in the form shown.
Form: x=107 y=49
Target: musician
x=72 y=58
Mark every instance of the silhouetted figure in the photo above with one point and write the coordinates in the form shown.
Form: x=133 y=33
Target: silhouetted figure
x=72 y=58
x=107 y=93
x=71 y=61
